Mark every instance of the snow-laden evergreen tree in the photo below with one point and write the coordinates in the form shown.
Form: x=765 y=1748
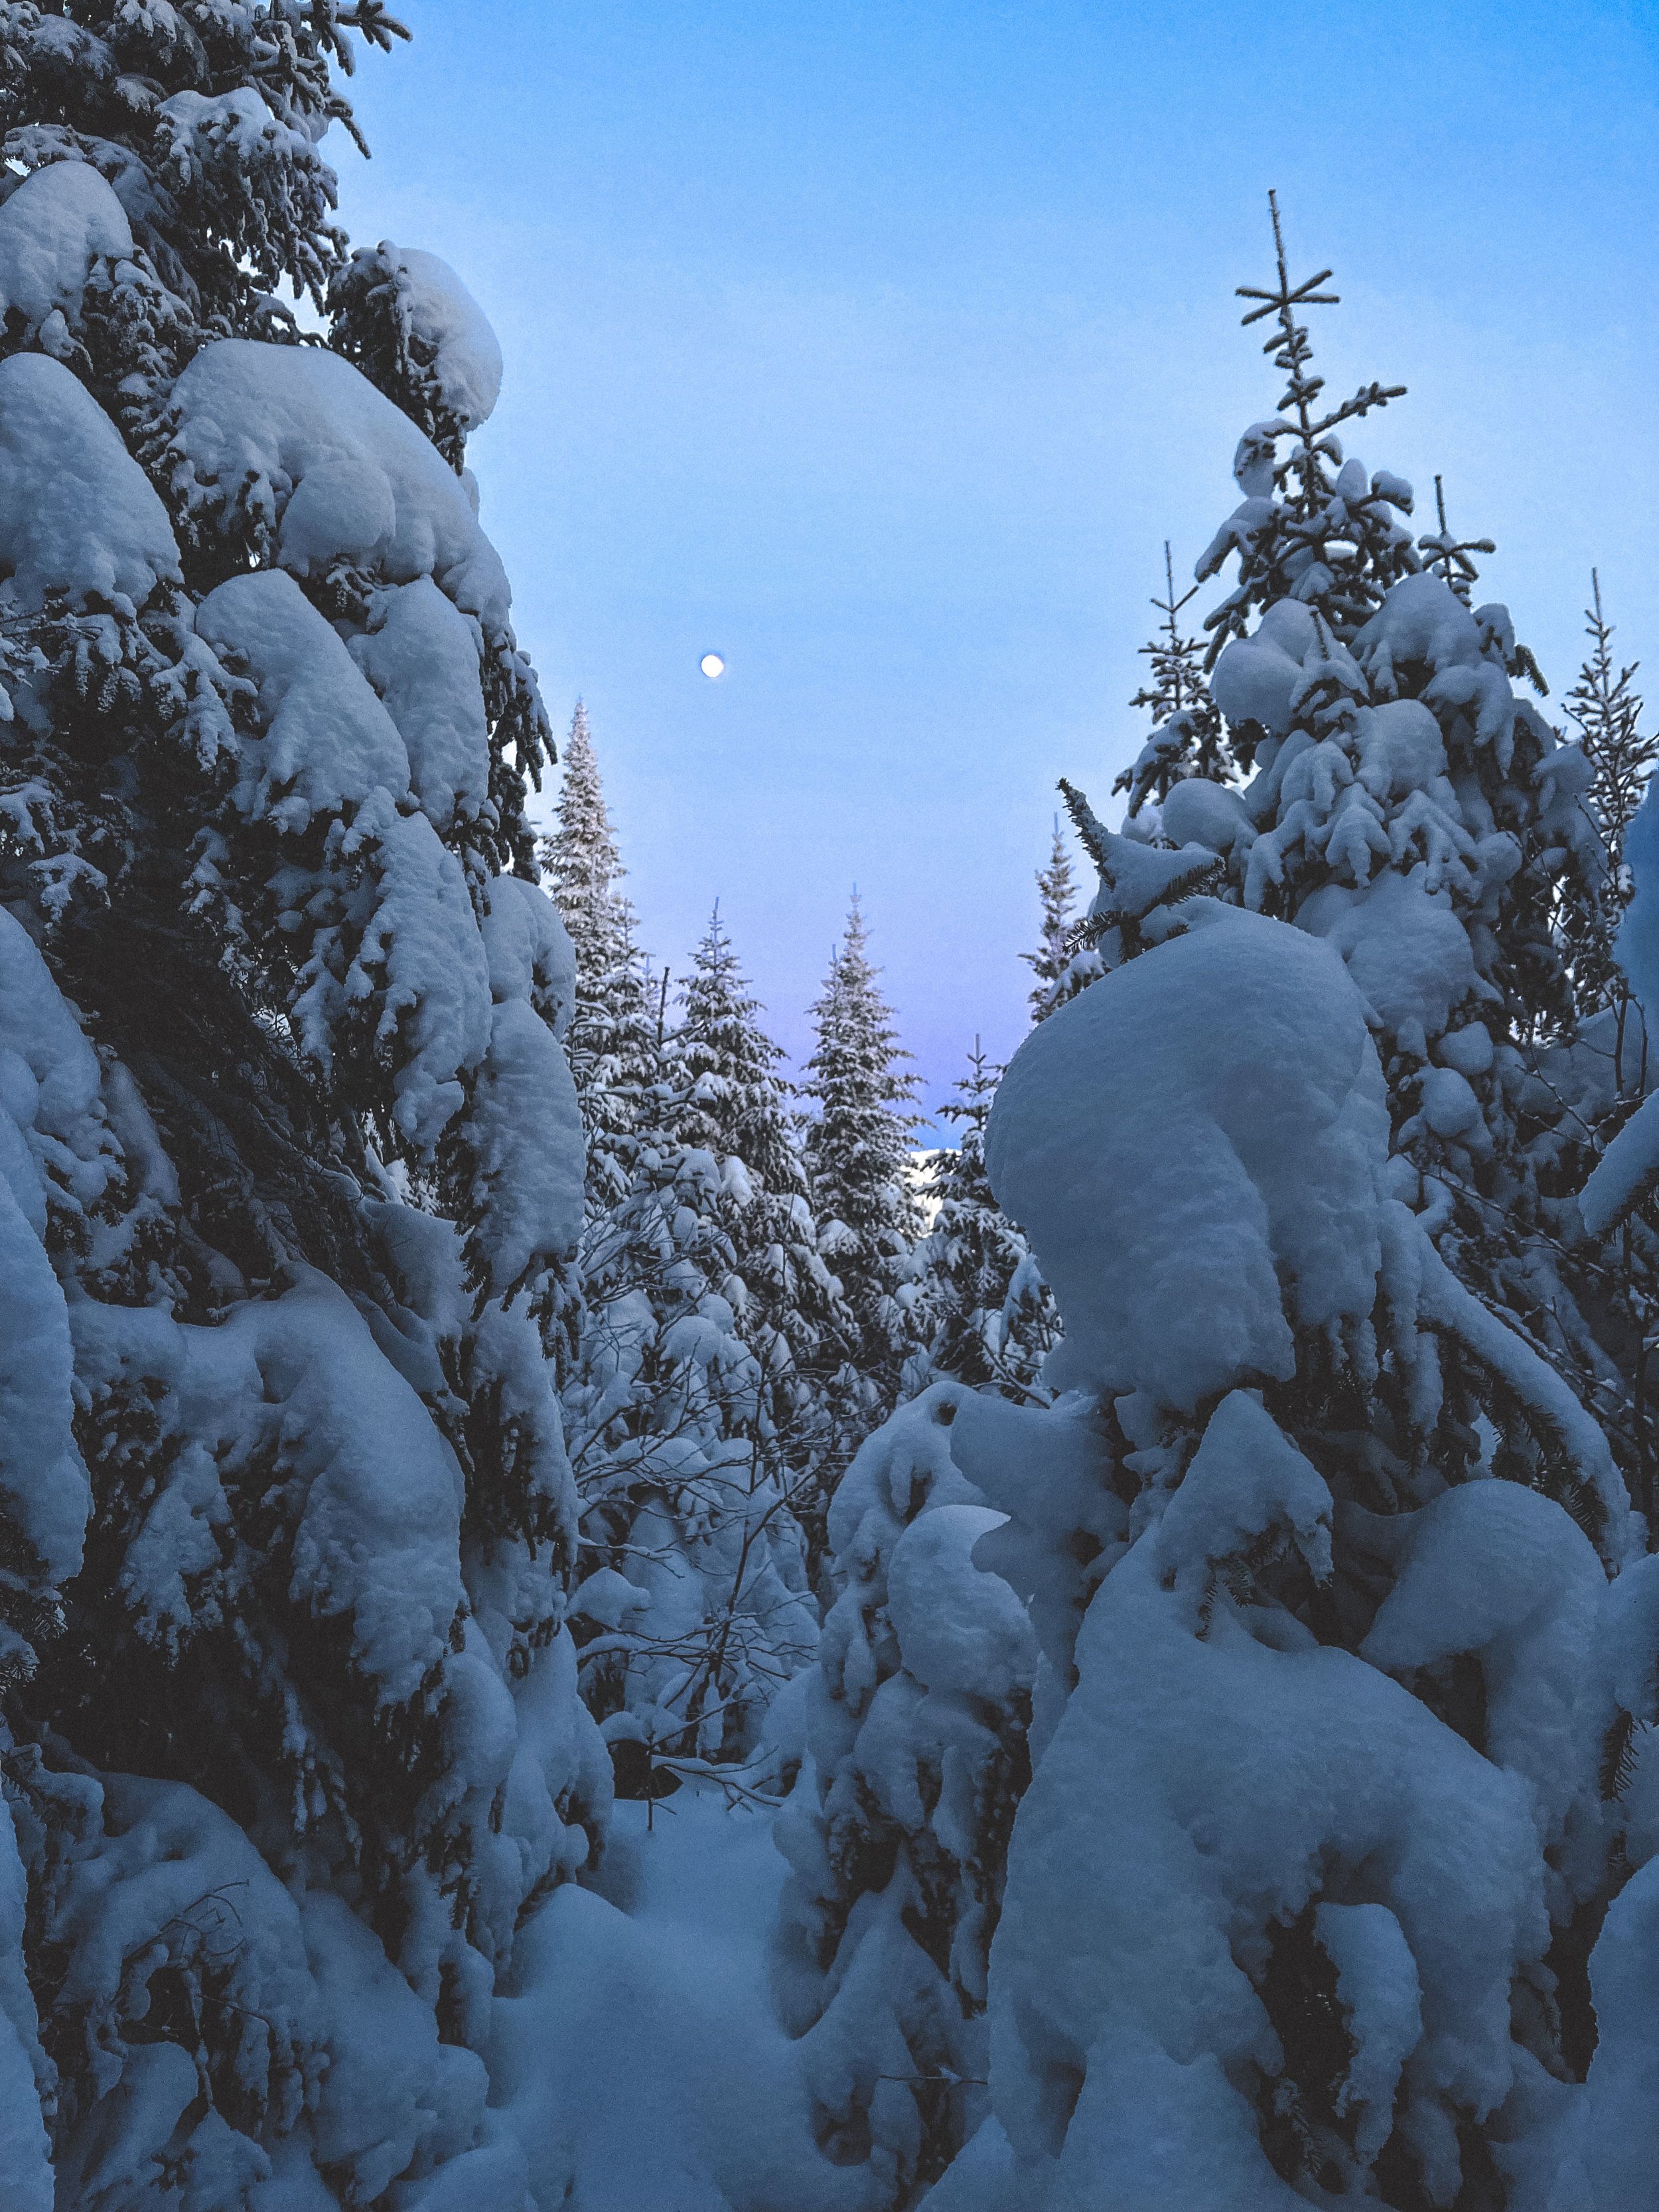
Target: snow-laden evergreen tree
x=1607 y=712
x=1409 y=805
x=1310 y=1549
x=731 y=1101
x=290 y=1167
x=1188 y=737
x=615 y=1038
x=916 y=1719
x=1591 y=1086
x=990 y=1315
x=1057 y=894
x=858 y=1151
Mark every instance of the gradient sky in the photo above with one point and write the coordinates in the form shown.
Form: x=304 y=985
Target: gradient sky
x=879 y=346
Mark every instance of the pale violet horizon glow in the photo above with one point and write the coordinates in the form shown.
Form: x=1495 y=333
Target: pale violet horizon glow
x=889 y=345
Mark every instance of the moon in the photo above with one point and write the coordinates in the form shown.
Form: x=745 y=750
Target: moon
x=712 y=666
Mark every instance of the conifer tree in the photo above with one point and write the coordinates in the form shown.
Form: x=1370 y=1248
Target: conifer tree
x=1230 y=1546
x=613 y=1042
x=731 y=1101
x=917 y=1713
x=289 y=1740
x=1188 y=737
x=857 y=1148
x=1409 y=805
x=1607 y=712
x=990 y=1316
x=1057 y=890
x=1313 y=528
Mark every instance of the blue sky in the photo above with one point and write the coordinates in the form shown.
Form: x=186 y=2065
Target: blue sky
x=879 y=346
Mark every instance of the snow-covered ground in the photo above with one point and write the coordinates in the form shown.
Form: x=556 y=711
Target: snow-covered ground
x=641 y=2065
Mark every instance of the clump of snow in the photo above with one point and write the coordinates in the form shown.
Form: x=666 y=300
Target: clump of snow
x=59 y=222
x=55 y=1148
x=77 y=514
x=1495 y=1570
x=1404 y=948
x=1194 y=1145
x=325 y=739
x=1248 y=1488
x=958 y=1627
x=291 y=447
x=375 y=1493
x=420 y=654
x=24 y=2151
x=394 y=948
x=1382 y=2002
x=523 y=1127
x=444 y=318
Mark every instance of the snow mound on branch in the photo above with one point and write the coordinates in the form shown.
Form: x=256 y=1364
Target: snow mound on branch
x=327 y=741
x=77 y=514
x=58 y=222
x=24 y=2153
x=524 y=1124
x=959 y=1627
x=375 y=1492
x=1247 y=1482
x=1404 y=948
x=56 y=1149
x=420 y=654
x=1192 y=1144
x=394 y=946
x=1498 y=1571
x=529 y=950
x=1257 y=678
x=466 y=362
x=293 y=446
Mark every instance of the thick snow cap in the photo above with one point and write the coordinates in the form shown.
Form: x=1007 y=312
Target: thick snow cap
x=467 y=355
x=77 y=514
x=1194 y=1145
x=296 y=436
x=53 y=229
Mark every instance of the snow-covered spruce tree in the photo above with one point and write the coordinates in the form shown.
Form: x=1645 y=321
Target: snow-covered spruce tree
x=857 y=1149
x=1057 y=893
x=291 y=1166
x=897 y=1831
x=614 y=1041
x=990 y=1315
x=1409 y=807
x=1607 y=712
x=1608 y=2137
x=1188 y=737
x=1321 y=1694
x=730 y=1100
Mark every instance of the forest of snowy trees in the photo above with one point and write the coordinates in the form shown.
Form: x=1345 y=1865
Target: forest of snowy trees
x=491 y=1462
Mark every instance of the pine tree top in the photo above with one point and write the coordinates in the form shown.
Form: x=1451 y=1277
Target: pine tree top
x=734 y=1101
x=1313 y=526
x=1057 y=890
x=1188 y=737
